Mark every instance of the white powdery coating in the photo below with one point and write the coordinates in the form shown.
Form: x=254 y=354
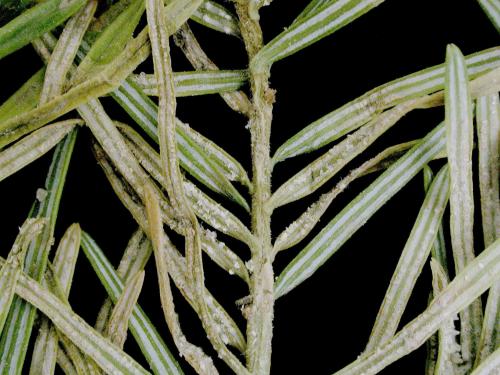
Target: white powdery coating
x=11 y=269
x=81 y=334
x=449 y=351
x=322 y=169
x=66 y=256
x=36 y=255
x=336 y=123
x=140 y=325
x=222 y=255
x=217 y=10
x=204 y=207
x=490 y=366
x=41 y=194
x=488 y=129
x=464 y=289
x=178 y=271
x=297 y=231
x=459 y=134
x=214 y=214
x=45 y=349
x=488 y=125
x=113 y=143
x=229 y=166
x=459 y=147
x=65 y=51
x=209 y=6
x=119 y=320
x=32 y=147
x=301 y=227
x=356 y=214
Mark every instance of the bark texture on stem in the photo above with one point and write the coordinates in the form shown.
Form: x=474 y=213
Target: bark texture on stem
x=261 y=312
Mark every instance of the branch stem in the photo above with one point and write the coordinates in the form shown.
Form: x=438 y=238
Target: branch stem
x=261 y=312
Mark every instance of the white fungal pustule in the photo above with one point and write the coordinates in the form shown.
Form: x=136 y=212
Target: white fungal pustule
x=41 y=194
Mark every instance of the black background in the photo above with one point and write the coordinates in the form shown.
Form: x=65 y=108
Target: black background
x=323 y=324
